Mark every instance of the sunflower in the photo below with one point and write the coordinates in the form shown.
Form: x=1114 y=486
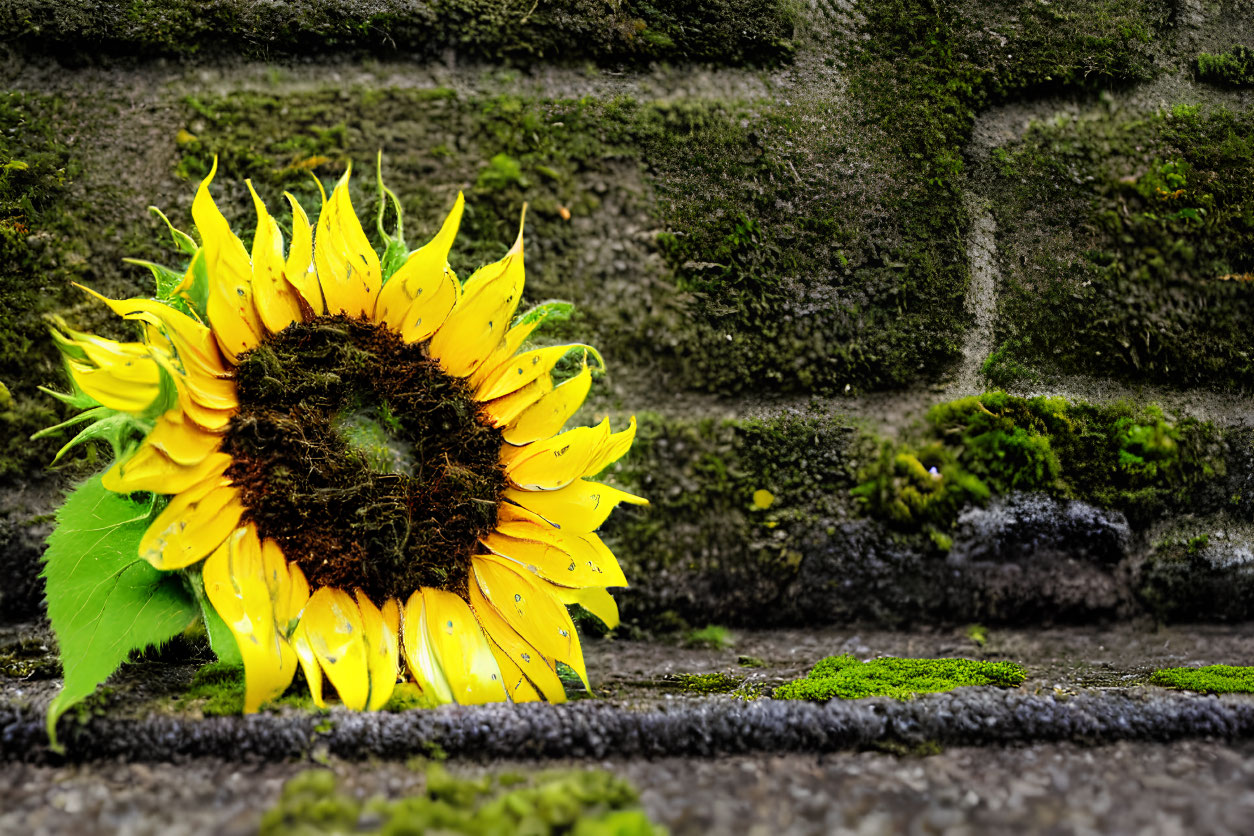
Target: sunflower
x=366 y=475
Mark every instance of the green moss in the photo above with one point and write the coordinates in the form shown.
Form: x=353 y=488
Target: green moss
x=1212 y=679
x=631 y=32
x=705 y=683
x=712 y=637
x=578 y=803
x=407 y=696
x=1131 y=458
x=217 y=690
x=1138 y=260
x=844 y=677
x=1234 y=68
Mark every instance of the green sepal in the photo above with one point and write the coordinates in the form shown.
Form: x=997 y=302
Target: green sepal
x=181 y=239
x=221 y=640
x=553 y=311
x=78 y=399
x=103 y=600
x=167 y=282
x=196 y=293
x=395 y=251
x=117 y=428
x=167 y=397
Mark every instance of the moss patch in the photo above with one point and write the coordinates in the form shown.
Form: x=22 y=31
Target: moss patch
x=712 y=637
x=583 y=803
x=1130 y=247
x=1131 y=458
x=1234 y=68
x=1212 y=679
x=843 y=677
x=729 y=31
x=704 y=683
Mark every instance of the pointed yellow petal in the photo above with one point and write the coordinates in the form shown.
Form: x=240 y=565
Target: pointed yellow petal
x=191 y=341
x=612 y=449
x=382 y=649
x=276 y=301
x=231 y=313
x=194 y=524
x=308 y=665
x=580 y=507
x=597 y=601
x=530 y=608
x=348 y=267
x=236 y=584
x=288 y=588
x=506 y=642
x=518 y=371
x=150 y=469
x=549 y=413
x=463 y=652
x=558 y=461
x=300 y=259
x=418 y=297
x=210 y=420
x=514 y=338
x=424 y=664
x=476 y=326
x=333 y=625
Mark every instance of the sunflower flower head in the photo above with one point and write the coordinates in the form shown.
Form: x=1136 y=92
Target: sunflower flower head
x=352 y=463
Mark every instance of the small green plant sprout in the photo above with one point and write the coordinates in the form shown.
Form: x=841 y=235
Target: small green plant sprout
x=977 y=633
x=1212 y=679
x=711 y=637
x=844 y=677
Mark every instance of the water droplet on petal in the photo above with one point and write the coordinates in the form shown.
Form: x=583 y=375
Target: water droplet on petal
x=517 y=598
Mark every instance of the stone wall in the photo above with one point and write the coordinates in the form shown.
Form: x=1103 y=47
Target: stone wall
x=801 y=234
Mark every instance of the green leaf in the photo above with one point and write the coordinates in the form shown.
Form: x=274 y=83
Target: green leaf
x=220 y=637
x=103 y=600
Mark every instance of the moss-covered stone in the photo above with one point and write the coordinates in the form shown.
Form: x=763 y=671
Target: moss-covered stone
x=844 y=677
x=729 y=31
x=1120 y=456
x=1128 y=247
x=1212 y=679
x=1208 y=575
x=589 y=803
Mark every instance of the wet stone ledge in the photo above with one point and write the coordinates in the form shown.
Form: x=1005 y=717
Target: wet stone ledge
x=711 y=727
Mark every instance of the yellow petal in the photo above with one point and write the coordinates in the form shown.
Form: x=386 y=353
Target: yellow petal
x=475 y=327
x=549 y=413
x=418 y=297
x=333 y=626
x=192 y=341
x=288 y=588
x=194 y=524
x=506 y=644
x=514 y=338
x=424 y=664
x=231 y=313
x=211 y=420
x=565 y=559
x=517 y=685
x=518 y=371
x=348 y=267
x=612 y=449
x=462 y=650
x=556 y=462
x=530 y=608
x=580 y=507
x=236 y=584
x=308 y=665
x=150 y=469
x=597 y=601
x=111 y=391
x=300 y=258
x=504 y=410
x=382 y=650
x=277 y=302
x=182 y=441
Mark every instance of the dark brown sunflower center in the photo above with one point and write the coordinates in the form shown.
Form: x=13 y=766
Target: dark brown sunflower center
x=368 y=465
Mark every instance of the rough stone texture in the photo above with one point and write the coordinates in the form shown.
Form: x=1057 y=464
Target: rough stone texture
x=792 y=247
